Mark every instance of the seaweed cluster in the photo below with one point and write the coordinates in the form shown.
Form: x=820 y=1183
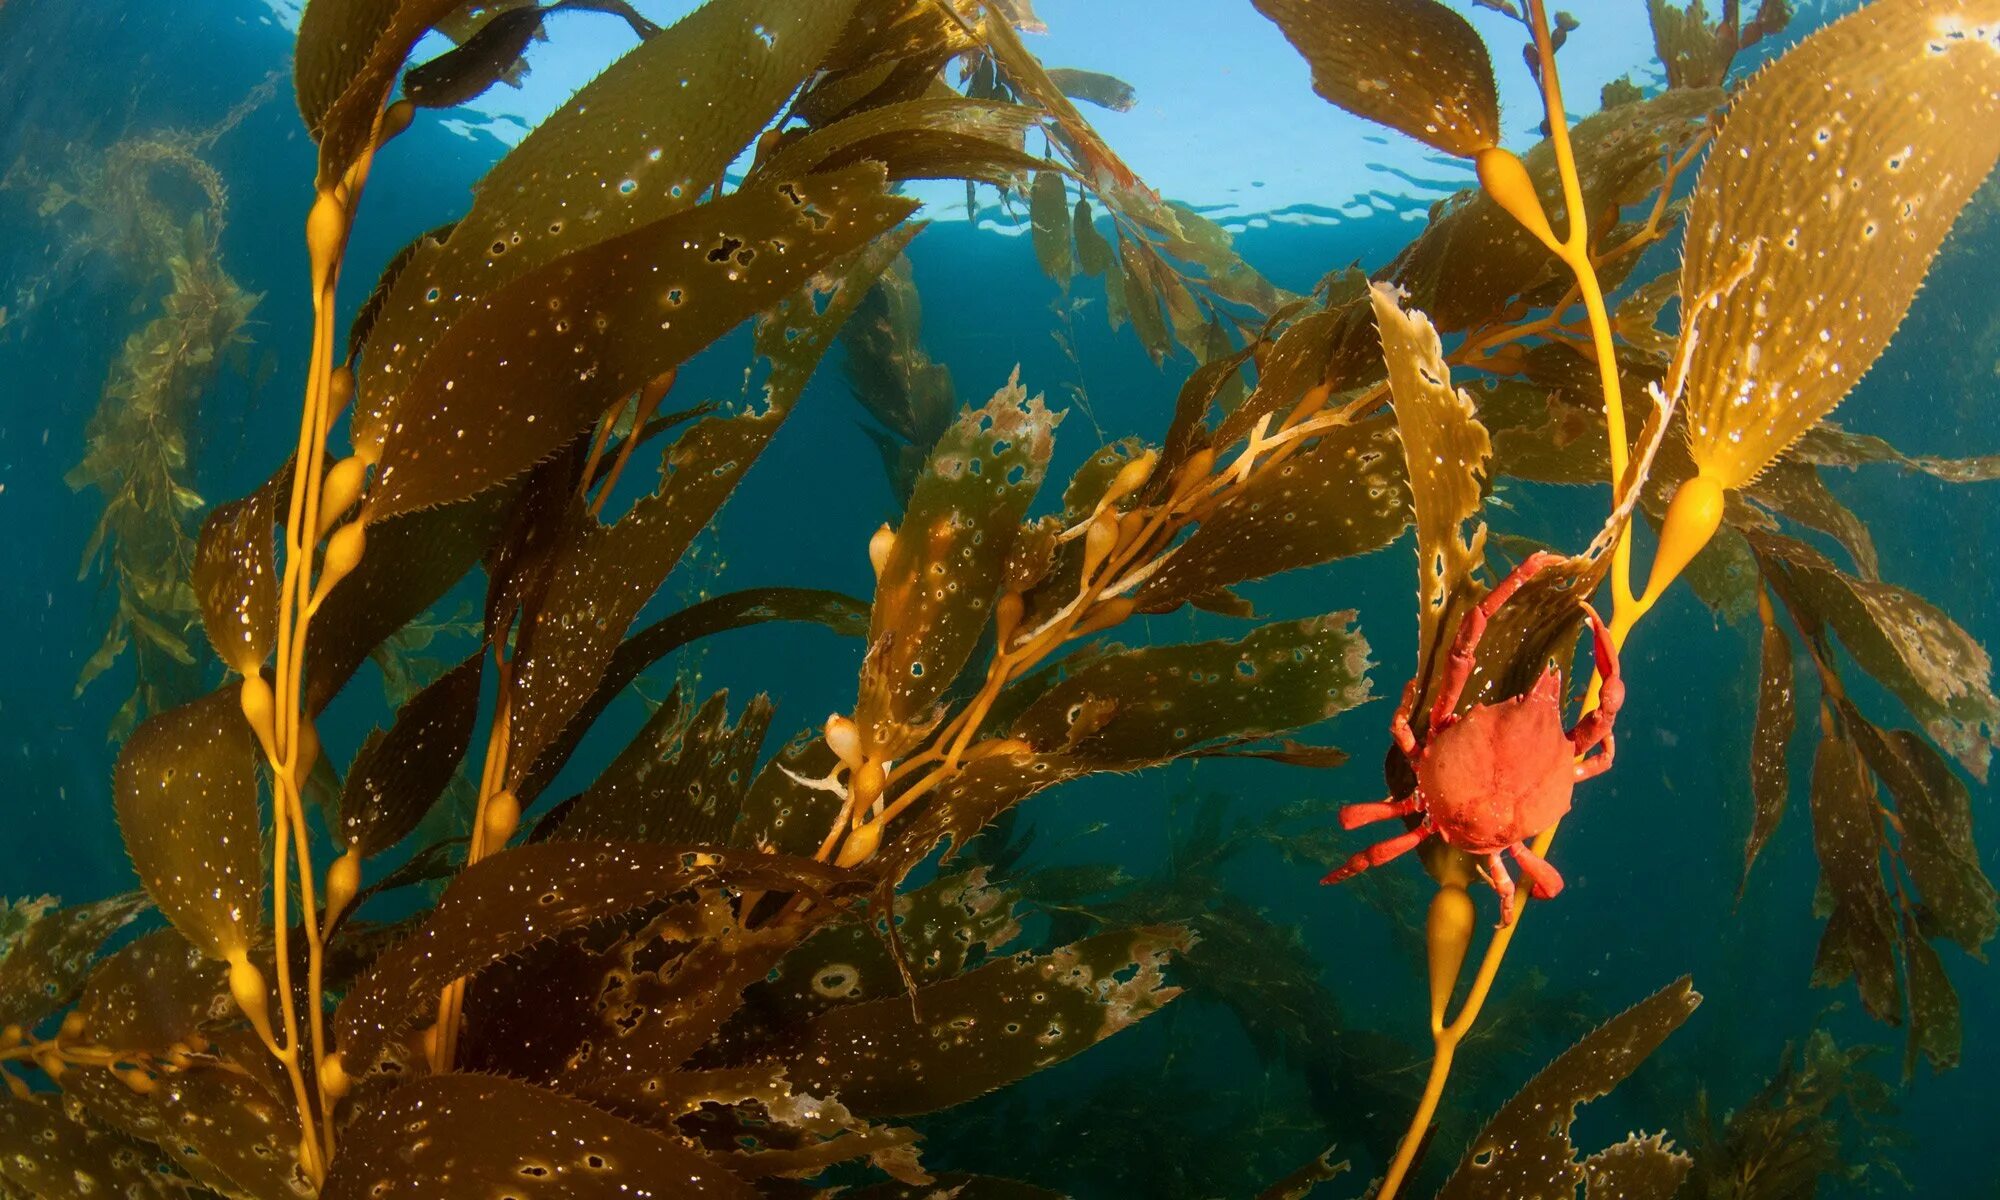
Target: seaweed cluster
x=713 y=972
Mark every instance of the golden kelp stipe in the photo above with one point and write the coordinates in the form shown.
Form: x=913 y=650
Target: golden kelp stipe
x=1837 y=174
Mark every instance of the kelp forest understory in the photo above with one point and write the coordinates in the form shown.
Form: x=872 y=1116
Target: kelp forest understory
x=465 y=958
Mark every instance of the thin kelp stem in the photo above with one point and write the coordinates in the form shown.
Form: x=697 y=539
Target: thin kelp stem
x=1507 y=181
x=277 y=714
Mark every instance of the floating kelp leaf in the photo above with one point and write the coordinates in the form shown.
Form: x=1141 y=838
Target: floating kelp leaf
x=186 y=794
x=914 y=139
x=684 y=280
x=411 y=561
x=1168 y=700
x=893 y=377
x=638 y=144
x=1795 y=490
x=1473 y=258
x=464 y=73
x=1828 y=445
x=348 y=55
x=473 y=1137
x=1444 y=453
x=1697 y=54
x=397 y=775
x=1048 y=210
x=1933 y=666
x=938 y=926
x=841 y=614
x=1525 y=1151
x=1934 y=810
x=1860 y=936
x=1093 y=251
x=680 y=780
x=602 y=576
x=1344 y=496
x=1140 y=298
x=783 y=811
x=1825 y=207
x=42 y=967
x=1937 y=1028
x=1105 y=91
x=1413 y=65
x=157 y=991
x=1770 y=737
x=1315 y=348
x=526 y=895
x=236 y=574
x=1636 y=1168
x=49 y=1155
x=935 y=591
x=986 y=1028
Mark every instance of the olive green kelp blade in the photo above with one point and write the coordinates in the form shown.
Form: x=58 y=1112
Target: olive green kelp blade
x=638 y=144
x=186 y=789
x=474 y=1137
x=1836 y=198
x=1445 y=449
x=1525 y=1150
x=1413 y=65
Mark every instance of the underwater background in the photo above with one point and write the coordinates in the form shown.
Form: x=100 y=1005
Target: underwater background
x=197 y=92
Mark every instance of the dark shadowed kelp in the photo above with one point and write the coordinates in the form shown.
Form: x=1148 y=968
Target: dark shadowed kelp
x=709 y=970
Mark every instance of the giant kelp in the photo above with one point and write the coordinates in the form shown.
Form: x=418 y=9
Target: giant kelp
x=710 y=966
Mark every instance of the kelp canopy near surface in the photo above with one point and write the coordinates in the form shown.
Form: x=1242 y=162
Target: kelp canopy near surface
x=722 y=969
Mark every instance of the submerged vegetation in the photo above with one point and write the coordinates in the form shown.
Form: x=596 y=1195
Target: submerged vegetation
x=709 y=971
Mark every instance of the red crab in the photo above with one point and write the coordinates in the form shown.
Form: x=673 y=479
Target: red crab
x=1489 y=780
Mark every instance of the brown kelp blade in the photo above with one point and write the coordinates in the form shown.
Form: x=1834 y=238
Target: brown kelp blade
x=186 y=793
x=43 y=965
x=1445 y=449
x=935 y=592
x=1413 y=65
x=1525 y=1150
x=473 y=1137
x=236 y=574
x=1838 y=197
x=400 y=772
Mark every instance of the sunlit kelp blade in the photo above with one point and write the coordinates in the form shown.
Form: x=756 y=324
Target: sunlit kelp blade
x=1413 y=65
x=1152 y=704
x=1105 y=91
x=400 y=772
x=186 y=793
x=936 y=587
x=43 y=966
x=1444 y=453
x=520 y=897
x=1342 y=497
x=615 y=315
x=1797 y=491
x=1934 y=811
x=639 y=143
x=236 y=574
x=987 y=1028
x=1525 y=1150
x=932 y=137
x=599 y=576
x=471 y=1137
x=1473 y=257
x=349 y=54
x=681 y=780
x=47 y=1154
x=1049 y=213
x=1838 y=197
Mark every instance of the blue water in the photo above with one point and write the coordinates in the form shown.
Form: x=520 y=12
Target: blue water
x=1652 y=855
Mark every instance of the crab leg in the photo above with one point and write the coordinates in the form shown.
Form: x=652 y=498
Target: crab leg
x=1353 y=816
x=1463 y=658
x=1399 y=725
x=1596 y=725
x=1547 y=881
x=1376 y=855
x=1503 y=883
